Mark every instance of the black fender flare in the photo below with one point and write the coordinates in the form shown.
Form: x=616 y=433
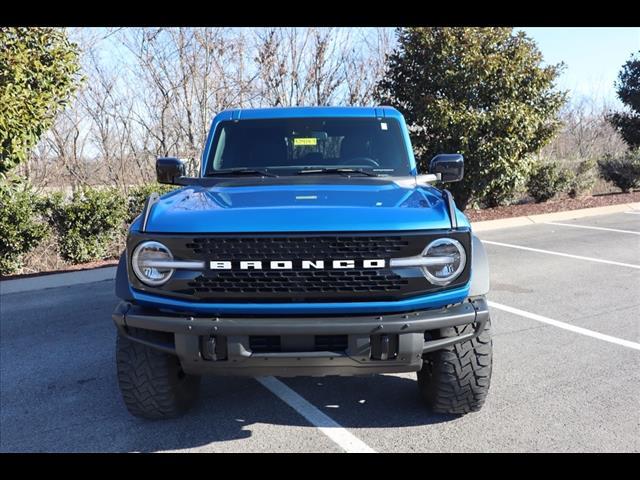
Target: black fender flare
x=122 y=279
x=480 y=280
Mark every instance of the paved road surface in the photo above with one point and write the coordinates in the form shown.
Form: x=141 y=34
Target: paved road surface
x=554 y=387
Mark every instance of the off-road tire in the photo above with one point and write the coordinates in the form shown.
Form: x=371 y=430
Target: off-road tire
x=455 y=379
x=152 y=383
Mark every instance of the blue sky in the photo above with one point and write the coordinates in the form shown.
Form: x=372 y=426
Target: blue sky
x=593 y=57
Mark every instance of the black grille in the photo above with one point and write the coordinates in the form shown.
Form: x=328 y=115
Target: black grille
x=298 y=282
x=286 y=248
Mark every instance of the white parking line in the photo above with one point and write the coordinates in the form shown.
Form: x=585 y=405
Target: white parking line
x=566 y=326
x=549 y=252
x=594 y=228
x=340 y=435
x=633 y=213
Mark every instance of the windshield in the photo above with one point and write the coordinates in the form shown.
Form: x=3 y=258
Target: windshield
x=289 y=146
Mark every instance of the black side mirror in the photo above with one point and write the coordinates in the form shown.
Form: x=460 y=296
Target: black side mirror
x=169 y=169
x=450 y=166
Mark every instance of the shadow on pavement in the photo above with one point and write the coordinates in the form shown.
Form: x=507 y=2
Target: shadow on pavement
x=93 y=417
x=59 y=391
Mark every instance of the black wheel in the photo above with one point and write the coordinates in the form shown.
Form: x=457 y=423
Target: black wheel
x=456 y=379
x=152 y=382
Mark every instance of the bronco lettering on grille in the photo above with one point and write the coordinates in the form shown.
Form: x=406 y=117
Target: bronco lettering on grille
x=297 y=264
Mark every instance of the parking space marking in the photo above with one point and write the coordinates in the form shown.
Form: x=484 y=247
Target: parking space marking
x=566 y=326
x=340 y=435
x=633 y=213
x=594 y=228
x=549 y=252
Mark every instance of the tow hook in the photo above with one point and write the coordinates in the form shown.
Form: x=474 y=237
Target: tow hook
x=384 y=347
x=210 y=349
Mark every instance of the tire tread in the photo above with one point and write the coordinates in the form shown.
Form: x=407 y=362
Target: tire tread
x=151 y=382
x=456 y=379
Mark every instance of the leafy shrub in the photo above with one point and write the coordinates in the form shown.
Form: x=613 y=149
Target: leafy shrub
x=627 y=123
x=623 y=172
x=87 y=224
x=583 y=179
x=483 y=92
x=20 y=226
x=39 y=72
x=546 y=180
x=138 y=195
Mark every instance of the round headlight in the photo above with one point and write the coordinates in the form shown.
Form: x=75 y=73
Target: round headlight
x=147 y=263
x=449 y=259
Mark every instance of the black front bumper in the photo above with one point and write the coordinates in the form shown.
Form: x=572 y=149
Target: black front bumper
x=194 y=337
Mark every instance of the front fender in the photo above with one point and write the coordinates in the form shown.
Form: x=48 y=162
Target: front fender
x=122 y=279
x=479 y=268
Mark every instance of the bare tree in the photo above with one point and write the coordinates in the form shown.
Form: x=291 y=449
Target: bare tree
x=185 y=75
x=320 y=66
x=364 y=64
x=585 y=133
x=153 y=91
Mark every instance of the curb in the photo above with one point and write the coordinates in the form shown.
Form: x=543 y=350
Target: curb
x=551 y=217
x=57 y=280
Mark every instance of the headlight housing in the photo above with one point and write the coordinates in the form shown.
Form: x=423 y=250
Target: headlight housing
x=149 y=263
x=448 y=259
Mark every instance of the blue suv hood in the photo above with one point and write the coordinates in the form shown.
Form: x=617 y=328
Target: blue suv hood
x=335 y=206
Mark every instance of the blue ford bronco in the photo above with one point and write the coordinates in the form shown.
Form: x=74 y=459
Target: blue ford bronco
x=307 y=245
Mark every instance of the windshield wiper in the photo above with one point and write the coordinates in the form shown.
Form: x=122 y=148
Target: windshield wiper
x=336 y=170
x=241 y=171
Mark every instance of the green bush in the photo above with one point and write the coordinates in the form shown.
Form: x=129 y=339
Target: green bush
x=138 y=195
x=21 y=229
x=623 y=172
x=39 y=73
x=486 y=93
x=546 y=180
x=627 y=122
x=87 y=224
x=583 y=179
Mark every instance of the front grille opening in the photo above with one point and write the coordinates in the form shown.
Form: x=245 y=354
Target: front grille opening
x=331 y=343
x=298 y=343
x=298 y=285
x=273 y=248
x=299 y=282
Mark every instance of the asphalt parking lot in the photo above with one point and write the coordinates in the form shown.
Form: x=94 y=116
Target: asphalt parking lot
x=565 y=310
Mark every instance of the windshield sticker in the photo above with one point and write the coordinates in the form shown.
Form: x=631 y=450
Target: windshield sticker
x=299 y=142
x=383 y=125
